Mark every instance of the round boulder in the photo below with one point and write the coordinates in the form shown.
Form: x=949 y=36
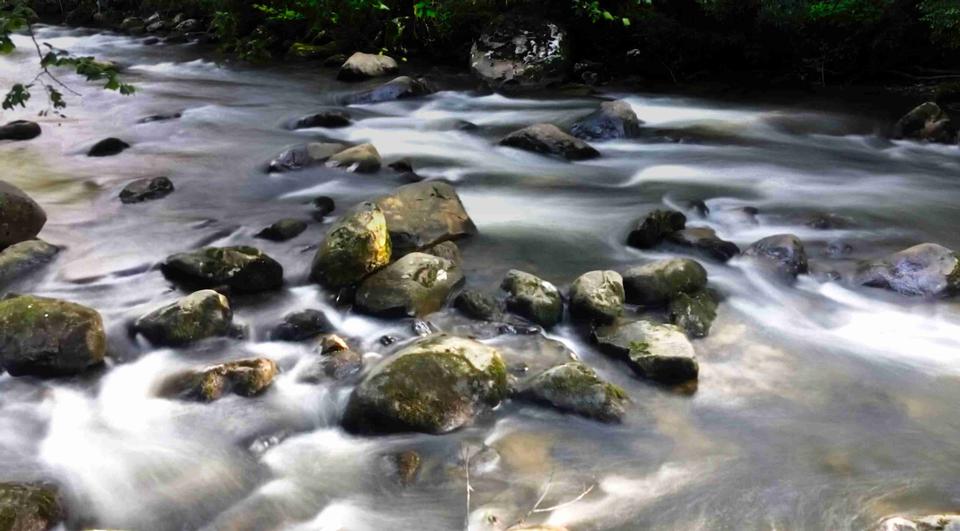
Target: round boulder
x=247 y=378
x=478 y=305
x=358 y=244
x=22 y=258
x=927 y=122
x=614 y=119
x=243 y=269
x=782 y=252
x=421 y=215
x=597 y=296
x=362 y=66
x=197 y=316
x=146 y=189
x=21 y=218
x=107 y=147
x=656 y=283
x=416 y=285
x=576 y=388
x=399 y=88
x=694 y=313
x=19 y=130
x=549 y=139
x=533 y=298
x=927 y=270
x=654 y=227
x=282 y=230
x=300 y=326
x=361 y=159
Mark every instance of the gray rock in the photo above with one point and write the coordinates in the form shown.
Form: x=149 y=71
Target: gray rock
x=704 y=241
x=327 y=119
x=694 y=313
x=597 y=296
x=614 y=119
x=337 y=359
x=656 y=283
x=283 y=230
x=299 y=157
x=661 y=353
x=356 y=245
x=928 y=123
x=654 y=227
x=362 y=66
x=107 y=147
x=361 y=159
x=421 y=215
x=247 y=378
x=447 y=250
x=300 y=326
x=533 y=298
x=21 y=218
x=517 y=53
x=927 y=270
x=416 y=285
x=782 y=252
x=200 y=315
x=576 y=388
x=146 y=189
x=548 y=139
x=242 y=269
x=30 y=507
x=400 y=88
x=25 y=257
x=478 y=305
x=20 y=130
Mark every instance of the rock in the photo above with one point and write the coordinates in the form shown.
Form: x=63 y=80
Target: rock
x=49 y=337
x=247 y=378
x=19 y=130
x=936 y=522
x=576 y=388
x=107 y=147
x=25 y=257
x=323 y=206
x=597 y=296
x=421 y=215
x=338 y=360
x=358 y=244
x=661 y=353
x=656 y=283
x=705 y=241
x=928 y=123
x=827 y=222
x=131 y=23
x=157 y=26
x=548 y=139
x=782 y=252
x=159 y=117
x=927 y=270
x=361 y=66
x=654 y=227
x=447 y=250
x=614 y=119
x=300 y=157
x=478 y=305
x=146 y=190
x=407 y=465
x=328 y=119
x=300 y=326
x=21 y=218
x=29 y=507
x=200 y=315
x=283 y=230
x=520 y=53
x=243 y=269
x=436 y=385
x=400 y=88
x=190 y=25
x=533 y=298
x=416 y=285
x=837 y=248
x=361 y=159
x=694 y=313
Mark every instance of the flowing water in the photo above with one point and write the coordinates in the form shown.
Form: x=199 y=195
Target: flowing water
x=820 y=405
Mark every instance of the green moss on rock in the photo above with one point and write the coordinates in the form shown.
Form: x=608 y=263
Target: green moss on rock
x=533 y=298
x=200 y=315
x=576 y=388
x=242 y=268
x=29 y=507
x=356 y=246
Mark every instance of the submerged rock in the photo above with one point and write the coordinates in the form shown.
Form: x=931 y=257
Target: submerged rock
x=478 y=305
x=576 y=388
x=416 y=285
x=29 y=507
x=706 y=242
x=656 y=283
x=362 y=66
x=20 y=130
x=936 y=522
x=614 y=119
x=300 y=326
x=243 y=269
x=926 y=122
x=661 y=353
x=299 y=157
x=436 y=385
x=282 y=230
x=399 y=88
x=107 y=147
x=597 y=296
x=361 y=159
x=549 y=139
x=327 y=119
x=782 y=252
x=22 y=258
x=421 y=215
x=146 y=189
x=200 y=315
x=533 y=298
x=357 y=245
x=407 y=465
x=247 y=378
x=654 y=227
x=49 y=337
x=694 y=313
x=928 y=270
x=520 y=53
x=21 y=218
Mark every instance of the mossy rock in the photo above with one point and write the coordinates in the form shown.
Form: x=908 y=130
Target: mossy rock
x=242 y=269
x=656 y=283
x=23 y=258
x=29 y=507
x=247 y=378
x=49 y=337
x=658 y=352
x=705 y=242
x=197 y=316
x=654 y=227
x=436 y=385
x=925 y=270
x=478 y=305
x=533 y=298
x=21 y=218
x=576 y=388
x=694 y=313
x=597 y=296
x=416 y=285
x=357 y=245
x=421 y=215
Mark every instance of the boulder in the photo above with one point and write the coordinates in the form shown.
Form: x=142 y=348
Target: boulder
x=421 y=215
x=146 y=189
x=436 y=385
x=576 y=388
x=448 y=250
x=247 y=378
x=49 y=337
x=654 y=227
x=614 y=119
x=337 y=359
x=927 y=270
x=782 y=252
x=928 y=123
x=21 y=218
x=200 y=315
x=327 y=119
x=323 y=206
x=304 y=156
x=406 y=465
x=358 y=244
x=29 y=507
x=548 y=139
x=694 y=313
x=190 y=25
x=597 y=296
x=516 y=53
x=300 y=326
x=130 y=23
x=936 y=522
x=22 y=258
x=242 y=269
x=400 y=88
x=361 y=66
x=416 y=285
x=107 y=147
x=658 y=352
x=656 y=283
x=478 y=305
x=361 y=159
x=706 y=242
x=20 y=130
x=283 y=230
x=533 y=298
